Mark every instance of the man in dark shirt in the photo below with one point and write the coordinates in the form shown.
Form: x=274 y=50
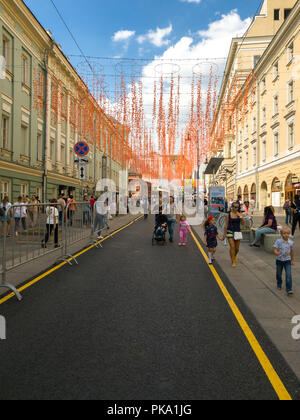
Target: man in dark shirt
x=296 y=213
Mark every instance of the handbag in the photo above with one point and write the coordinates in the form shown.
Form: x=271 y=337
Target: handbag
x=238 y=236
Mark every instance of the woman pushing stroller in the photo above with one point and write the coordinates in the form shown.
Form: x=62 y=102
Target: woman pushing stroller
x=161 y=226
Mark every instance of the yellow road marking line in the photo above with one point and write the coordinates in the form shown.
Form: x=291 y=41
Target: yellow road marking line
x=272 y=375
x=57 y=267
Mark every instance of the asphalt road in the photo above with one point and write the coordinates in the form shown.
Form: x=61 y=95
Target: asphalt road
x=133 y=322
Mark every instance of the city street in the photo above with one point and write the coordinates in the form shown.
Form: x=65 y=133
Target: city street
x=136 y=322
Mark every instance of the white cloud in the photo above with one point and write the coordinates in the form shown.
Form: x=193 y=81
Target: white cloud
x=122 y=36
x=157 y=37
x=212 y=44
x=193 y=54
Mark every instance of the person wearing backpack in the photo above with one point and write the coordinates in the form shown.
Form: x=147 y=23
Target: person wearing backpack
x=288 y=212
x=296 y=214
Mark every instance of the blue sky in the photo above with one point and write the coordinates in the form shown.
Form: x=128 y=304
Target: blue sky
x=96 y=23
x=189 y=30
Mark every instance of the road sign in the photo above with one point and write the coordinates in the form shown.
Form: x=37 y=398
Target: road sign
x=82 y=172
x=81 y=149
x=82 y=161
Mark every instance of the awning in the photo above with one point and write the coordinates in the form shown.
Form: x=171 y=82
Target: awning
x=213 y=166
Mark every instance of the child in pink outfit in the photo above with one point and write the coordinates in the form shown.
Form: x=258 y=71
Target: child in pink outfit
x=184 y=228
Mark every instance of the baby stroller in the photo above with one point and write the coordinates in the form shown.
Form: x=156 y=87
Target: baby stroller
x=161 y=226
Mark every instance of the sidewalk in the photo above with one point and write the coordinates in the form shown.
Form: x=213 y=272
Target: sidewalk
x=255 y=281
x=19 y=275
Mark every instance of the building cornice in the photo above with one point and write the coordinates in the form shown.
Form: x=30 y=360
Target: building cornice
x=14 y=167
x=286 y=28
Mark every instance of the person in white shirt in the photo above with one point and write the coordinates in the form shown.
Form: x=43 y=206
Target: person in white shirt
x=52 y=223
x=99 y=219
x=20 y=214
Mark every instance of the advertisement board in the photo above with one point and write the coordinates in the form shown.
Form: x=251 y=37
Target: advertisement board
x=216 y=199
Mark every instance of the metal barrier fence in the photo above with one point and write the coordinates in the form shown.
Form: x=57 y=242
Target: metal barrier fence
x=31 y=231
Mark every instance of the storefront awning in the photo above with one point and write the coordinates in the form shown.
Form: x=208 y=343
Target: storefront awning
x=213 y=166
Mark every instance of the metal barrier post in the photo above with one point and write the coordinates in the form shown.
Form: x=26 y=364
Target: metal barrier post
x=4 y=269
x=65 y=256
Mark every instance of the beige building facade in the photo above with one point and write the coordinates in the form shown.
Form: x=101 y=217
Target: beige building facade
x=259 y=102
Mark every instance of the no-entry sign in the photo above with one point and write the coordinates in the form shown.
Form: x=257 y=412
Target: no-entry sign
x=81 y=148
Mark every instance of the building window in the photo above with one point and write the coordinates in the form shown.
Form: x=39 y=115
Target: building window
x=230 y=150
x=254 y=125
x=276 y=14
x=256 y=59
x=254 y=156
x=71 y=158
x=276 y=105
x=264 y=115
x=291 y=135
x=5 y=49
x=24 y=190
x=247 y=161
x=5 y=189
x=276 y=144
x=291 y=96
x=63 y=155
x=25 y=70
x=39 y=193
x=263 y=85
x=290 y=52
x=240 y=137
x=52 y=151
x=25 y=140
x=276 y=70
x=5 y=132
x=264 y=149
x=39 y=147
x=247 y=132
x=287 y=13
x=240 y=163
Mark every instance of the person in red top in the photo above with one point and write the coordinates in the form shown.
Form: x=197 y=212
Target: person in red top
x=92 y=201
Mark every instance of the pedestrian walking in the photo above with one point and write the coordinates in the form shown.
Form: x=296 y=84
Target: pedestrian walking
x=284 y=251
x=33 y=210
x=295 y=207
x=5 y=213
x=252 y=206
x=145 y=205
x=106 y=215
x=184 y=228
x=172 y=218
x=71 y=203
x=61 y=208
x=86 y=211
x=99 y=220
x=288 y=212
x=52 y=223
x=269 y=225
x=206 y=208
x=20 y=214
x=211 y=237
x=232 y=231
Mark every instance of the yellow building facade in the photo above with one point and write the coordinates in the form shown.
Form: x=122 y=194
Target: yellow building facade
x=261 y=140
